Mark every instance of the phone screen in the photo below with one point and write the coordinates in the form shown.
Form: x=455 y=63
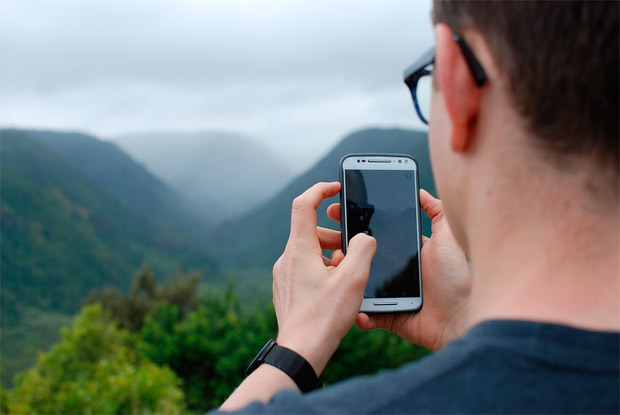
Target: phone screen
x=383 y=204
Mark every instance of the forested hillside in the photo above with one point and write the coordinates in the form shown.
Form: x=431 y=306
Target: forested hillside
x=62 y=235
x=129 y=182
x=169 y=348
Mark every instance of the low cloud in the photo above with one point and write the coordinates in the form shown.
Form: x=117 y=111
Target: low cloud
x=296 y=75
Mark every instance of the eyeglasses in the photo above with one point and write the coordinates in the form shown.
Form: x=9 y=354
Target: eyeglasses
x=420 y=83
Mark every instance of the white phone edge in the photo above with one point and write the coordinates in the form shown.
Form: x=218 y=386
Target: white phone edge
x=390 y=305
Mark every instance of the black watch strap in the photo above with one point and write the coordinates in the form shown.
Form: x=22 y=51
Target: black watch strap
x=290 y=362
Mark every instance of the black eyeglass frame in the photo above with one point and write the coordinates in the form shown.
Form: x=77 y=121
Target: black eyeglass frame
x=419 y=69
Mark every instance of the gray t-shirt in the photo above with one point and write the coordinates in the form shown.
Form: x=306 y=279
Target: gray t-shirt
x=497 y=367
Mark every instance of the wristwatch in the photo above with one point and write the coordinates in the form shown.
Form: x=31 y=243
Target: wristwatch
x=291 y=363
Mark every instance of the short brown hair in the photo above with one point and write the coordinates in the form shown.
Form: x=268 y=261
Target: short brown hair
x=561 y=59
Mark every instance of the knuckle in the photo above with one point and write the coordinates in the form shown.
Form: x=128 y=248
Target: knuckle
x=298 y=203
x=277 y=267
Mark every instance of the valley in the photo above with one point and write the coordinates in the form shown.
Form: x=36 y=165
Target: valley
x=79 y=213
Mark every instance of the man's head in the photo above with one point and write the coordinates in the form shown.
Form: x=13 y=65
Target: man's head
x=552 y=95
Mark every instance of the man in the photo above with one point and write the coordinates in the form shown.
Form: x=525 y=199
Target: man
x=524 y=144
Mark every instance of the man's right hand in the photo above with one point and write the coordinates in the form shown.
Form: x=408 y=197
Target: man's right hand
x=446 y=282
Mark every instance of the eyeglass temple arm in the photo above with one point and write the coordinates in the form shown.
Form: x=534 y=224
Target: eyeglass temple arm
x=476 y=69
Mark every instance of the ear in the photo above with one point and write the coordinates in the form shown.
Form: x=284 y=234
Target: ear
x=456 y=83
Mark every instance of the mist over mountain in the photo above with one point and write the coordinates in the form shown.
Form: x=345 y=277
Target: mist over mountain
x=223 y=174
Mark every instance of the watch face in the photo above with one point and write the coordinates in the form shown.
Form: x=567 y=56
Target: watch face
x=260 y=357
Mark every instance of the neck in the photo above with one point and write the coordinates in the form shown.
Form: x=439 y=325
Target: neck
x=546 y=256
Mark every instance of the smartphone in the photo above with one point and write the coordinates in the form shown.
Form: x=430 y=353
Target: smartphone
x=380 y=197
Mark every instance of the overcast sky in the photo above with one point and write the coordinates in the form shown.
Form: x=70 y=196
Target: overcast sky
x=297 y=75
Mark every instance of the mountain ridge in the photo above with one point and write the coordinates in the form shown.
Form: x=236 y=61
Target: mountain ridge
x=127 y=180
x=257 y=238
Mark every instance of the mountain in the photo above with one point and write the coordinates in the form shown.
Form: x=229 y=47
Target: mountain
x=224 y=174
x=107 y=166
x=257 y=239
x=62 y=235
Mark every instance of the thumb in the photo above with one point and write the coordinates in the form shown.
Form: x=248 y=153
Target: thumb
x=431 y=206
x=360 y=252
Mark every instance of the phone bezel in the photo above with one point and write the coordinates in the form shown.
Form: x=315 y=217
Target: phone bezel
x=390 y=304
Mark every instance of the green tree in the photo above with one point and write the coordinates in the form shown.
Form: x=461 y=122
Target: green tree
x=129 y=310
x=4 y=401
x=211 y=347
x=95 y=369
x=209 y=337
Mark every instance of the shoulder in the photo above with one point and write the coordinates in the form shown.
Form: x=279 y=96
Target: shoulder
x=497 y=367
x=393 y=389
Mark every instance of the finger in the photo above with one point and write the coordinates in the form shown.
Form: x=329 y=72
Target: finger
x=328 y=238
x=337 y=257
x=431 y=206
x=326 y=261
x=356 y=264
x=425 y=239
x=364 y=321
x=333 y=211
x=303 y=213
